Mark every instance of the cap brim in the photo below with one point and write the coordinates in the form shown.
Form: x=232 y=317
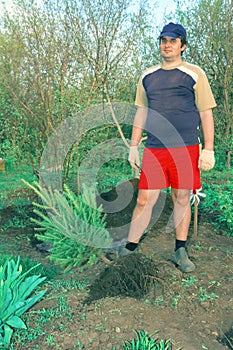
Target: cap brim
x=172 y=35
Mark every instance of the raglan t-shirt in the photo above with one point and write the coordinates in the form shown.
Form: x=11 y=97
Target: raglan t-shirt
x=174 y=98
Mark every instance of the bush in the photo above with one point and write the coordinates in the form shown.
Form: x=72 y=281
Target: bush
x=73 y=225
x=218 y=205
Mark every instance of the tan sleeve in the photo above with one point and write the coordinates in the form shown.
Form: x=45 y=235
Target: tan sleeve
x=141 y=98
x=203 y=95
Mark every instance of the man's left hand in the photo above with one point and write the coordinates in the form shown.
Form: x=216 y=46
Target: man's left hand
x=206 y=160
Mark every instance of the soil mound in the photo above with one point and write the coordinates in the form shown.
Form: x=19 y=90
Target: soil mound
x=129 y=276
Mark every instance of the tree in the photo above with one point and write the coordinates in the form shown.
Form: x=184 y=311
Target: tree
x=56 y=58
x=34 y=70
x=210 y=36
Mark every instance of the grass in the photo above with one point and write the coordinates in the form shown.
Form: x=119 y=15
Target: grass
x=57 y=316
x=148 y=342
x=36 y=321
x=13 y=191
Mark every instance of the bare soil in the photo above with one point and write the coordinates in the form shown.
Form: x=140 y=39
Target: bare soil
x=195 y=310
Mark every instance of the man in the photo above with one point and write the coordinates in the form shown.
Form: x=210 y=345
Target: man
x=173 y=99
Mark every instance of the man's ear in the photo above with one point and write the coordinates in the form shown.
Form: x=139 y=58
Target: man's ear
x=183 y=47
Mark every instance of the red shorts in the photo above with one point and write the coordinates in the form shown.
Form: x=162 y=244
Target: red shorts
x=175 y=167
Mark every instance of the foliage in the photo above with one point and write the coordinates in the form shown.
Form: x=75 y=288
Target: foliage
x=146 y=342
x=98 y=166
x=32 y=267
x=36 y=321
x=58 y=315
x=218 y=205
x=12 y=191
x=210 y=33
x=15 y=289
x=56 y=58
x=73 y=225
x=203 y=295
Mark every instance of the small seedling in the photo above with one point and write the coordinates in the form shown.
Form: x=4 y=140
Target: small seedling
x=147 y=342
x=190 y=281
x=203 y=296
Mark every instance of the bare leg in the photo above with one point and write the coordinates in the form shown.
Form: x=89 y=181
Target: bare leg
x=142 y=213
x=182 y=212
x=182 y=217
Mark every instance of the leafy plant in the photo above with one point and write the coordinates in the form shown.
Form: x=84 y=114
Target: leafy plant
x=203 y=296
x=14 y=222
x=189 y=281
x=12 y=192
x=15 y=289
x=73 y=225
x=218 y=203
x=28 y=264
x=59 y=314
x=69 y=284
x=146 y=342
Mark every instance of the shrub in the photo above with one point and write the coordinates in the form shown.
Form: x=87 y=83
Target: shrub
x=73 y=225
x=218 y=204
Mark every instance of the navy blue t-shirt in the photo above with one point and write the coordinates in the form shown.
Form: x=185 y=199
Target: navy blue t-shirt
x=171 y=96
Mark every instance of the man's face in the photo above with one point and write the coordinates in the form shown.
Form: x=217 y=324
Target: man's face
x=170 y=48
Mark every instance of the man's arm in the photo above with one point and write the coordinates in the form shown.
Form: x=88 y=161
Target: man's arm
x=207 y=122
x=206 y=159
x=138 y=125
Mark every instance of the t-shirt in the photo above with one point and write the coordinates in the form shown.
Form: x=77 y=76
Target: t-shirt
x=174 y=98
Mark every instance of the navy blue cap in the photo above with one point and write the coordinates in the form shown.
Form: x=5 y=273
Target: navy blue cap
x=173 y=30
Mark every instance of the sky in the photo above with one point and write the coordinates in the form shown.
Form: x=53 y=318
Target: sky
x=164 y=6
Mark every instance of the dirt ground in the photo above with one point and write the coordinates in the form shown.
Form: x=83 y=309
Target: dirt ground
x=195 y=310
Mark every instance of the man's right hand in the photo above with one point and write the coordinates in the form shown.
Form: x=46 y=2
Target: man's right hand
x=133 y=157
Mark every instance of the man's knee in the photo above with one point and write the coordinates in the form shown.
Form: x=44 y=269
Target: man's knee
x=141 y=201
x=181 y=197
x=147 y=198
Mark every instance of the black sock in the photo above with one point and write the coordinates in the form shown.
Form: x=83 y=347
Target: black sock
x=179 y=244
x=131 y=246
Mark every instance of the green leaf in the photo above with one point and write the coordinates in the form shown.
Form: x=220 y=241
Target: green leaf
x=29 y=303
x=30 y=283
x=11 y=310
x=7 y=335
x=16 y=322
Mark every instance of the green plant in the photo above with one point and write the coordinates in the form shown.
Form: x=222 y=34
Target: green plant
x=218 y=204
x=175 y=301
x=159 y=300
x=203 y=296
x=189 y=281
x=70 y=284
x=80 y=345
x=60 y=314
x=146 y=342
x=13 y=192
x=15 y=289
x=14 y=222
x=32 y=267
x=50 y=340
x=72 y=224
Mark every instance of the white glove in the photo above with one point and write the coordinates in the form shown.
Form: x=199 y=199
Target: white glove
x=206 y=160
x=133 y=157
